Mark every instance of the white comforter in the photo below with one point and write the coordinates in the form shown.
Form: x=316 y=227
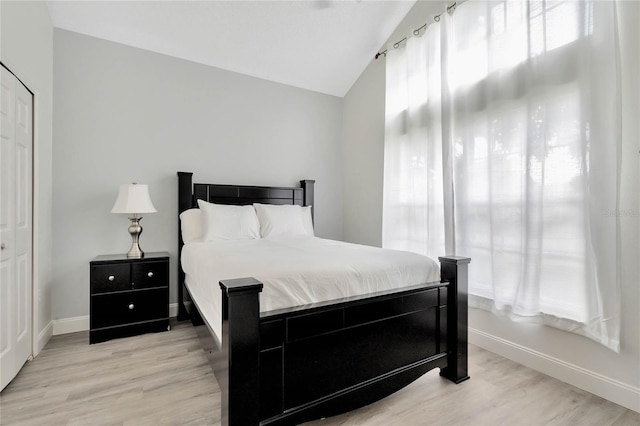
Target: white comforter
x=297 y=271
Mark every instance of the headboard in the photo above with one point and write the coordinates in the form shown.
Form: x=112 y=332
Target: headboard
x=189 y=193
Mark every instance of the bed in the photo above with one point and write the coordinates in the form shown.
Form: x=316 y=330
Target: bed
x=286 y=364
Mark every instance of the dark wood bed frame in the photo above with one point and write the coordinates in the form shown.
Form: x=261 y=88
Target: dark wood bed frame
x=307 y=362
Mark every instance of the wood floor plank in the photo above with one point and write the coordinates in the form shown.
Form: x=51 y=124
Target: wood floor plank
x=165 y=379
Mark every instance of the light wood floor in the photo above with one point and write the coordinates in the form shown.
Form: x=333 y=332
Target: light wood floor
x=164 y=379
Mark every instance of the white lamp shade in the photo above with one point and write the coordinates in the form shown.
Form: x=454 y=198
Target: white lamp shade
x=133 y=198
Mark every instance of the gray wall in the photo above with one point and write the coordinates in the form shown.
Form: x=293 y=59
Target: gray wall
x=123 y=114
x=567 y=356
x=27 y=50
x=363 y=139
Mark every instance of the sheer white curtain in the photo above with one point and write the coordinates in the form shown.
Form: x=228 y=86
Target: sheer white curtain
x=413 y=208
x=523 y=114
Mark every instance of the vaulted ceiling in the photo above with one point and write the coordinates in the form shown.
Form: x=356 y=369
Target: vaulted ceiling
x=320 y=45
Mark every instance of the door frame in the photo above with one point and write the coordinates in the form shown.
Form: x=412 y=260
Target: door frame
x=39 y=338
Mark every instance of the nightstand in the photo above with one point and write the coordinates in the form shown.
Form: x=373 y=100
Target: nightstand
x=128 y=296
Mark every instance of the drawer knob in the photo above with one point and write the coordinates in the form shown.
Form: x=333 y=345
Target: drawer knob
x=3 y=246
x=131 y=306
x=111 y=277
x=150 y=274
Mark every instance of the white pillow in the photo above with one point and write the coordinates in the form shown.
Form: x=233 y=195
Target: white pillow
x=283 y=220
x=192 y=225
x=227 y=222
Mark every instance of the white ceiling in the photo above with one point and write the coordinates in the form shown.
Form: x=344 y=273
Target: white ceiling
x=320 y=45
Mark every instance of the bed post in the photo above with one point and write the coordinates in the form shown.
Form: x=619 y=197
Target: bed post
x=185 y=202
x=307 y=189
x=455 y=270
x=238 y=373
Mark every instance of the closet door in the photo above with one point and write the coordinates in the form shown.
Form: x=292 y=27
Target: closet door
x=16 y=152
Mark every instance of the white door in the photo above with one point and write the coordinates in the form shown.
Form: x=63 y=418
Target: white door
x=16 y=136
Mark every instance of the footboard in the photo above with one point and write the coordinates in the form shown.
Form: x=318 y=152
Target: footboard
x=292 y=365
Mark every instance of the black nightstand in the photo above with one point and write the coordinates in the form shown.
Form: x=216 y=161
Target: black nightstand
x=128 y=296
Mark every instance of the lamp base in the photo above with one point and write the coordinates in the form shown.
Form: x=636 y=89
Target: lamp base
x=135 y=229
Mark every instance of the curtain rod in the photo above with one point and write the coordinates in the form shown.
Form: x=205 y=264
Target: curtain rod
x=436 y=18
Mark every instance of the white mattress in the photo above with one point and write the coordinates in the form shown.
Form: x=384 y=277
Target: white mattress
x=297 y=271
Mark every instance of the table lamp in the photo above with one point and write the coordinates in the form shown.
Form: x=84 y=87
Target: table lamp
x=134 y=199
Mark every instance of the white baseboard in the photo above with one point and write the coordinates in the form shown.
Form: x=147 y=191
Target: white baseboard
x=73 y=325
x=70 y=325
x=173 y=310
x=43 y=338
x=621 y=393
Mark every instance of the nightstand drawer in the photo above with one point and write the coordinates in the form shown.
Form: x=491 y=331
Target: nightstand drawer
x=107 y=278
x=149 y=274
x=129 y=307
